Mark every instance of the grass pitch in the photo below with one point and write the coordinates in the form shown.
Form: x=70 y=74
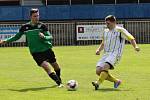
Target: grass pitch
x=22 y=79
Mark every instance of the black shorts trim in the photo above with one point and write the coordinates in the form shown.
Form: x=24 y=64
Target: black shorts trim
x=111 y=66
x=47 y=55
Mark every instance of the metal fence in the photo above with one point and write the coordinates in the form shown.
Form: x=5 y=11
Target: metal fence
x=13 y=44
x=140 y=30
x=64 y=33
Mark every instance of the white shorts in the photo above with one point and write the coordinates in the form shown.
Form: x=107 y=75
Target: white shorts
x=110 y=58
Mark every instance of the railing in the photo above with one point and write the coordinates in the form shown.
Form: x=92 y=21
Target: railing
x=64 y=33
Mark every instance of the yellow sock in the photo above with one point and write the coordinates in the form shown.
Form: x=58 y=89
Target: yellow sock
x=102 y=77
x=111 y=78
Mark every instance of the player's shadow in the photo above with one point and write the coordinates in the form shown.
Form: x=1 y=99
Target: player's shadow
x=32 y=89
x=112 y=89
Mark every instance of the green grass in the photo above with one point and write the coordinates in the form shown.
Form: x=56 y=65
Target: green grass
x=22 y=79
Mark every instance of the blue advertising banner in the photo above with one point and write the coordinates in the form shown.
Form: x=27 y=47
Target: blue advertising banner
x=9 y=30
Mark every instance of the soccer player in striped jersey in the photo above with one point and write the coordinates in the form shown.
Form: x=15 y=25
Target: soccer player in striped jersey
x=40 y=46
x=113 y=43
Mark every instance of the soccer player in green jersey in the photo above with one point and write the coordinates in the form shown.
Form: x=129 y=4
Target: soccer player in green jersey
x=40 y=46
x=113 y=43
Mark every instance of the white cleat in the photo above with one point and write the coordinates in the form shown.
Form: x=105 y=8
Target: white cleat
x=60 y=86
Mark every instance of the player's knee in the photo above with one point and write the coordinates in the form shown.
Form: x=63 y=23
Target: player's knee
x=44 y=64
x=98 y=70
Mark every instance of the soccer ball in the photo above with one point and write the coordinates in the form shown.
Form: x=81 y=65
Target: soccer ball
x=72 y=85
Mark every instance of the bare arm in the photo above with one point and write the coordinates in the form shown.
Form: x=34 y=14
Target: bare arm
x=100 y=48
x=133 y=43
x=2 y=41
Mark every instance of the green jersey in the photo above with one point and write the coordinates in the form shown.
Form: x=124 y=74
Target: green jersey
x=35 y=42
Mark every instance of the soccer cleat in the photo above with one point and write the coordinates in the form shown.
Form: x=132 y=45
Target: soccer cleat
x=60 y=79
x=95 y=84
x=116 y=84
x=60 y=86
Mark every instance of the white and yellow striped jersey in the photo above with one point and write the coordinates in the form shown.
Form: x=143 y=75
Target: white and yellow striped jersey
x=114 y=40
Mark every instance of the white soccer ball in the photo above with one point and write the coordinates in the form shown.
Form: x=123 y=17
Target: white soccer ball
x=72 y=85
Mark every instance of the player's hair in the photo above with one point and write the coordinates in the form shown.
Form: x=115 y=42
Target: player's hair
x=33 y=10
x=110 y=18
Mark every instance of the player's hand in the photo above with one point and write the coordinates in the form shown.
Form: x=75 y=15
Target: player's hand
x=97 y=52
x=2 y=41
x=137 y=49
x=41 y=35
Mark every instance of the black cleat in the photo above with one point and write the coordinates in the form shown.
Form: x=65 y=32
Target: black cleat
x=60 y=79
x=95 y=84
